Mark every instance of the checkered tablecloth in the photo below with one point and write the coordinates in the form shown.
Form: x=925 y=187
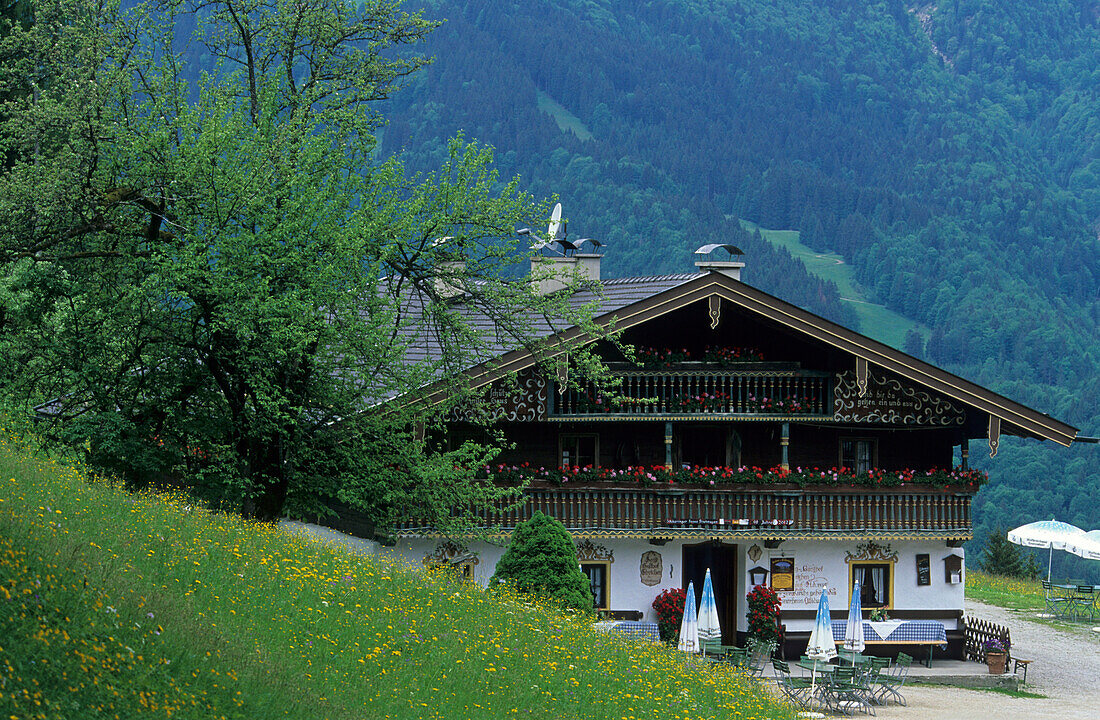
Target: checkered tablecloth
x=910 y=631
x=634 y=629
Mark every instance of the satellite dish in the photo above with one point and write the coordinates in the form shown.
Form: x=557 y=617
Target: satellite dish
x=555 y=222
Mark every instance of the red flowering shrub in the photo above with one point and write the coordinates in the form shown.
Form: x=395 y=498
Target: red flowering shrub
x=670 y=611
x=764 y=615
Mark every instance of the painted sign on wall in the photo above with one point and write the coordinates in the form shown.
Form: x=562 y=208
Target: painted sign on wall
x=650 y=568
x=889 y=401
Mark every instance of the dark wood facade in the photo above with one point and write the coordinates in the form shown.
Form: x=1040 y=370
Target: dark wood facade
x=727 y=376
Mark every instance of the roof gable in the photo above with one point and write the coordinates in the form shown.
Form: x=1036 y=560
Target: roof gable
x=628 y=303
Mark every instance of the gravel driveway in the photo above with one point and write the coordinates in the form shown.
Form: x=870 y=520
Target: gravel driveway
x=1066 y=670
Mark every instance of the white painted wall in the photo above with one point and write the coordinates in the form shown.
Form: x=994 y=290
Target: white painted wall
x=819 y=563
x=816 y=563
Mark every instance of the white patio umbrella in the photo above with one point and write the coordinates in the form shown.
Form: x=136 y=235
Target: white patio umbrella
x=1051 y=534
x=822 y=646
x=853 y=631
x=689 y=625
x=1086 y=546
x=709 y=627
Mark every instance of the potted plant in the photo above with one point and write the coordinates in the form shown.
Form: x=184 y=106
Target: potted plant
x=996 y=655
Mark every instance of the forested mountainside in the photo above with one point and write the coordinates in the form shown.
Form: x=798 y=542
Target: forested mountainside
x=949 y=153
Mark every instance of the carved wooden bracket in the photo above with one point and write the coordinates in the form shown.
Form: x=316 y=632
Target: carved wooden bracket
x=862 y=373
x=994 y=434
x=563 y=374
x=714 y=309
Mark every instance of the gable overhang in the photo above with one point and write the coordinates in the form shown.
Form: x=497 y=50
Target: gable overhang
x=1015 y=419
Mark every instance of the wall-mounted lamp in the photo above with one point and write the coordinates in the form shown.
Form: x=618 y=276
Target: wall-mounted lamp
x=758 y=576
x=773 y=543
x=658 y=541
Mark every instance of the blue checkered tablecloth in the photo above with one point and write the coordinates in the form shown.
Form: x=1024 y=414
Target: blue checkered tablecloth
x=910 y=631
x=634 y=629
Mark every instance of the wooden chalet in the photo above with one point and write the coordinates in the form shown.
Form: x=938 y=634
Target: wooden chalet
x=750 y=437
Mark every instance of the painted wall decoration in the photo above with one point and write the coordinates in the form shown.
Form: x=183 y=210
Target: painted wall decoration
x=808 y=580
x=587 y=551
x=650 y=567
x=871 y=551
x=782 y=573
x=523 y=401
x=890 y=401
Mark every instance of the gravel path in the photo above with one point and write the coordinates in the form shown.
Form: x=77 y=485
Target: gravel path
x=1066 y=670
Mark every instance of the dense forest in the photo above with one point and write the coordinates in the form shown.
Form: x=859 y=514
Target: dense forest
x=949 y=153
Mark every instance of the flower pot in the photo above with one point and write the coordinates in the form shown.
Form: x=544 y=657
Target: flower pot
x=996 y=662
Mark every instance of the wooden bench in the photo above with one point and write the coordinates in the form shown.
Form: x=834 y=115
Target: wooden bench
x=1018 y=663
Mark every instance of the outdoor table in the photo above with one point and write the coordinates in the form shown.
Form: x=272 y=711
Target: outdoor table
x=822 y=665
x=853 y=658
x=633 y=629
x=1072 y=599
x=899 y=632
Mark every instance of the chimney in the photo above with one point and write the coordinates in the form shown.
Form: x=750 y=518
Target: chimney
x=450 y=266
x=445 y=280
x=728 y=266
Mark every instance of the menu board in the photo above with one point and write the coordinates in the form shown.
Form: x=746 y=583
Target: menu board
x=782 y=573
x=924 y=570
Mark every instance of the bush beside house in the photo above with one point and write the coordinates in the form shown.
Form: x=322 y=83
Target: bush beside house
x=541 y=560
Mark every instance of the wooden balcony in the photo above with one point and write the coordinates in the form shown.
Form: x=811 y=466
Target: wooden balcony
x=757 y=391
x=751 y=513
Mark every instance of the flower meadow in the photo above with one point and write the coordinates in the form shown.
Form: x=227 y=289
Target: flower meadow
x=115 y=605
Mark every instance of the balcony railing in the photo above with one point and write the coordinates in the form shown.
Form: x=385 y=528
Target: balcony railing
x=702 y=391
x=778 y=513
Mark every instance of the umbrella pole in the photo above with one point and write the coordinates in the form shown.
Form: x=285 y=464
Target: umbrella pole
x=1049 y=558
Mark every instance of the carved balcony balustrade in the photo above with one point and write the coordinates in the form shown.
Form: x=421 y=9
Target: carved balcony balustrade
x=810 y=512
x=758 y=392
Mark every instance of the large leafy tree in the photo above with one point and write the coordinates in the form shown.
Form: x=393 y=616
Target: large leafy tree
x=207 y=274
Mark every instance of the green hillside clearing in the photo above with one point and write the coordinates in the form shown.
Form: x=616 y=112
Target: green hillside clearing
x=567 y=121
x=875 y=320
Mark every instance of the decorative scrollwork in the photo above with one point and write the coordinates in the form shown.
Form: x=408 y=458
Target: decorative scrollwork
x=871 y=550
x=889 y=401
x=587 y=551
x=450 y=553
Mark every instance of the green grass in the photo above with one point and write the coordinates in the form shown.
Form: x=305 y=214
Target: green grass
x=1006 y=592
x=115 y=605
x=567 y=121
x=875 y=320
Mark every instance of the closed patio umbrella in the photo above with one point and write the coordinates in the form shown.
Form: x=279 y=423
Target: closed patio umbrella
x=1050 y=534
x=709 y=627
x=689 y=624
x=853 y=631
x=822 y=647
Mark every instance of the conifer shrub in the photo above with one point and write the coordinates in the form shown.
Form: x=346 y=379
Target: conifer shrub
x=1000 y=557
x=541 y=560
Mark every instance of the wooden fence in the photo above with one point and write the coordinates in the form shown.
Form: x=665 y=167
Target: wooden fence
x=978 y=632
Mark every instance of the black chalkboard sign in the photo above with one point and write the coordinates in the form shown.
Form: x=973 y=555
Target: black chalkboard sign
x=924 y=570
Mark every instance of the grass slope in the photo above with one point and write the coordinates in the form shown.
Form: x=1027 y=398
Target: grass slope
x=566 y=121
x=115 y=606
x=875 y=320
